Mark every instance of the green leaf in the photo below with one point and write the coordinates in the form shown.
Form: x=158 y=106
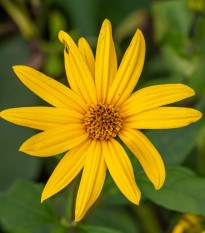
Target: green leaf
x=174 y=145
x=81 y=19
x=113 y=217
x=197 y=80
x=182 y=191
x=53 y=66
x=59 y=229
x=116 y=199
x=56 y=23
x=20 y=207
x=15 y=164
x=21 y=17
x=129 y=24
x=172 y=21
x=95 y=229
x=178 y=62
x=38 y=229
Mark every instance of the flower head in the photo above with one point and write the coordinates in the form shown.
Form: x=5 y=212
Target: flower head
x=99 y=106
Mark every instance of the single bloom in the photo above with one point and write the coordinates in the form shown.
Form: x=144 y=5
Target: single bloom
x=99 y=106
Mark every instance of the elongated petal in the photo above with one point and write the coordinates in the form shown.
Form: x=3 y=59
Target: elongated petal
x=147 y=155
x=106 y=61
x=121 y=170
x=55 y=141
x=78 y=73
x=49 y=89
x=92 y=180
x=66 y=170
x=41 y=118
x=155 y=96
x=87 y=54
x=163 y=118
x=129 y=71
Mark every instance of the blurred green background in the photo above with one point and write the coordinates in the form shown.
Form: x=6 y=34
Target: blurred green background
x=174 y=31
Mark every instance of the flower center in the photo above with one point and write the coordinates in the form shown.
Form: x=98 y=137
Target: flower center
x=103 y=121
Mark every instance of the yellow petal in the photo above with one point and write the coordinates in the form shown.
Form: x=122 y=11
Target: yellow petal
x=41 y=118
x=66 y=170
x=129 y=71
x=87 y=54
x=121 y=170
x=155 y=96
x=78 y=73
x=163 y=118
x=55 y=141
x=106 y=61
x=181 y=227
x=49 y=89
x=92 y=180
x=147 y=155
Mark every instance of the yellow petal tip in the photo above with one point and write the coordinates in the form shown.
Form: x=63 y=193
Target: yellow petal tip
x=78 y=217
x=136 y=199
x=61 y=35
x=23 y=148
x=157 y=187
x=190 y=91
x=138 y=32
x=43 y=198
x=106 y=21
x=76 y=220
x=1 y=113
x=106 y=25
x=17 y=67
x=82 y=39
x=20 y=68
x=199 y=115
x=66 y=40
x=81 y=42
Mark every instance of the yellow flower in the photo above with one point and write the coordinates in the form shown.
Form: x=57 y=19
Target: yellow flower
x=189 y=223
x=98 y=107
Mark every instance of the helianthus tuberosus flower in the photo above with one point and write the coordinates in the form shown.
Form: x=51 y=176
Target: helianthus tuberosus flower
x=86 y=118
x=189 y=223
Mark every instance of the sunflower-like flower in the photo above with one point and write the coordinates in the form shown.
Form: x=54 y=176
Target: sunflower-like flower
x=99 y=106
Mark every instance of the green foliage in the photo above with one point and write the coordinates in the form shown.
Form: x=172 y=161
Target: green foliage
x=20 y=207
x=95 y=229
x=59 y=229
x=114 y=217
x=183 y=191
x=174 y=145
x=19 y=13
x=56 y=23
x=53 y=66
x=172 y=21
x=14 y=163
x=178 y=62
x=197 y=81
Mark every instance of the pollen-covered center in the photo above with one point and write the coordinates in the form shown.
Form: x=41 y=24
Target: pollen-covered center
x=103 y=121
